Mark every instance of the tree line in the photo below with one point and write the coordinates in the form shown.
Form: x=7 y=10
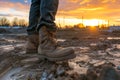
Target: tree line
x=15 y=22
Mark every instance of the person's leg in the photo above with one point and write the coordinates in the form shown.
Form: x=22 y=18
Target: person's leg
x=48 y=47
x=33 y=36
x=48 y=10
x=34 y=16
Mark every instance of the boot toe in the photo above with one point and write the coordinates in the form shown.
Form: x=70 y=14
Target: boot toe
x=61 y=52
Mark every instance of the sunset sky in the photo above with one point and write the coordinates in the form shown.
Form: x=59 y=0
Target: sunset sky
x=70 y=12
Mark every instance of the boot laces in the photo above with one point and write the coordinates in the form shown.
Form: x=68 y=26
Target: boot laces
x=52 y=37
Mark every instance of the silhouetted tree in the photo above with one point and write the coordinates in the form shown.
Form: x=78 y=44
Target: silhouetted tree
x=15 y=22
x=4 y=22
x=22 y=23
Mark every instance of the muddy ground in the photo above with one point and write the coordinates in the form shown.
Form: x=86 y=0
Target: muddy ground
x=94 y=49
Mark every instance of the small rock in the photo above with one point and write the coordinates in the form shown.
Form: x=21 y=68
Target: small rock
x=51 y=76
x=72 y=65
x=44 y=76
x=60 y=70
x=99 y=63
x=118 y=67
x=109 y=73
x=76 y=68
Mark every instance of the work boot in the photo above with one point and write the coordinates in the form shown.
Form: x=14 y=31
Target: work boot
x=49 y=49
x=109 y=73
x=32 y=44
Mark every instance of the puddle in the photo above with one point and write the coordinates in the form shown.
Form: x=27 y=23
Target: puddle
x=9 y=74
x=93 y=44
x=21 y=34
x=113 y=38
x=61 y=40
x=7 y=47
x=6 y=27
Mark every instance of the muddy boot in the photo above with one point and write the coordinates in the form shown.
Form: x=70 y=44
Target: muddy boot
x=32 y=44
x=109 y=73
x=49 y=49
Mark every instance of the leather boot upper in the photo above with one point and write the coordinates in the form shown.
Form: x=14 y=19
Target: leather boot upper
x=48 y=44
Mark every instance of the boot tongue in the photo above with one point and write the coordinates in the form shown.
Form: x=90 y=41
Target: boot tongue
x=48 y=39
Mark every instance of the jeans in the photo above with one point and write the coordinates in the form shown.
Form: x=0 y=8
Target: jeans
x=42 y=13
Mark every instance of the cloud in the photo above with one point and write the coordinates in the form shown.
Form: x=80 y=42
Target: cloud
x=84 y=2
x=90 y=8
x=11 y=9
x=4 y=15
x=73 y=1
x=16 y=6
x=105 y=9
x=16 y=1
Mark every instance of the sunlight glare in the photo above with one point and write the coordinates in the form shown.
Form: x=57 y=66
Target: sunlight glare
x=94 y=22
x=85 y=22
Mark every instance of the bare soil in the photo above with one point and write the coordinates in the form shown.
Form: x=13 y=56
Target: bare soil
x=94 y=50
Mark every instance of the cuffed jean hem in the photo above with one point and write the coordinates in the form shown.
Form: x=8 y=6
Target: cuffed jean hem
x=50 y=28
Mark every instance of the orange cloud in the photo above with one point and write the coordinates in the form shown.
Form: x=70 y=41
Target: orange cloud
x=16 y=6
x=73 y=1
x=84 y=2
x=89 y=9
x=105 y=9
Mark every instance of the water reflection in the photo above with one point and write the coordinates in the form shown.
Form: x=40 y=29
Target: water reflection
x=61 y=40
x=8 y=75
x=113 y=38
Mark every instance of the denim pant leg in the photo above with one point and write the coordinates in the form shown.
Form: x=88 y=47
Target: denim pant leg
x=48 y=10
x=34 y=17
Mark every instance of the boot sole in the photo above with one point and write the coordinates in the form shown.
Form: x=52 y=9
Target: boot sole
x=63 y=58
x=43 y=57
